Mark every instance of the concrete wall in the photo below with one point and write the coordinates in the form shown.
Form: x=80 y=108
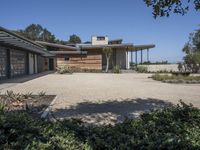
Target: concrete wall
x=164 y=67
x=121 y=58
x=99 y=42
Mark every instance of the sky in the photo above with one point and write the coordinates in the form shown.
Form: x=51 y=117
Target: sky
x=130 y=20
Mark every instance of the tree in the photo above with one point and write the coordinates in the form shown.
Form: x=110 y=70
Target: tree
x=108 y=52
x=165 y=7
x=74 y=39
x=36 y=32
x=192 y=51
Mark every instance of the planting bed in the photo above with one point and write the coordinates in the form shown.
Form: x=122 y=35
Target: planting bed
x=33 y=104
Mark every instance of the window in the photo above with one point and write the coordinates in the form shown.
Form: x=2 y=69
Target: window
x=66 y=58
x=100 y=38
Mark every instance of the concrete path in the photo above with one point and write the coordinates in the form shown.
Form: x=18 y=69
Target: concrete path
x=107 y=97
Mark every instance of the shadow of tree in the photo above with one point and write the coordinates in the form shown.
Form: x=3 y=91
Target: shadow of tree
x=110 y=111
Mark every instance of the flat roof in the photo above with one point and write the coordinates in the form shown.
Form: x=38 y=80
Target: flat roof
x=9 y=38
x=69 y=52
x=89 y=46
x=142 y=47
x=67 y=47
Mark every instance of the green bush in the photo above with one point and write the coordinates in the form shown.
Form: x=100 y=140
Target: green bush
x=116 y=69
x=165 y=77
x=63 y=70
x=174 y=127
x=142 y=69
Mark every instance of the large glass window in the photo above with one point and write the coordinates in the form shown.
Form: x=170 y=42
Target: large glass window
x=2 y=63
x=17 y=63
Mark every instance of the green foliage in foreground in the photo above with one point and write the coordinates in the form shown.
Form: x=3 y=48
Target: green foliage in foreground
x=174 y=127
x=159 y=77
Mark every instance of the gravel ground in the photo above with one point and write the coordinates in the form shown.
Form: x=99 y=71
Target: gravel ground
x=105 y=98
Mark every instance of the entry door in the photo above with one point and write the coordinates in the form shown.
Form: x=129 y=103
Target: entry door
x=51 y=64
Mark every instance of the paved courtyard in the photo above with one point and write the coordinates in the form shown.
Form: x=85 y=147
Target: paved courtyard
x=97 y=97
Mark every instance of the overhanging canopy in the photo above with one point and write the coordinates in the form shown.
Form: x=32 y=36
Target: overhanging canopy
x=9 y=38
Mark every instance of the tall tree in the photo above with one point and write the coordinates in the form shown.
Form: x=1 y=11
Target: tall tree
x=165 y=7
x=74 y=39
x=108 y=52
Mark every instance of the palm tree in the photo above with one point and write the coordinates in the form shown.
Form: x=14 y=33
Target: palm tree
x=108 y=52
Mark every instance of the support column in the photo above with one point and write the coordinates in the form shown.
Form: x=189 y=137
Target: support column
x=141 y=57
x=8 y=71
x=131 y=56
x=147 y=54
x=136 y=57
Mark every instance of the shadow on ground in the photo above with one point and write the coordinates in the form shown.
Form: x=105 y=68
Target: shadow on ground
x=110 y=111
x=26 y=77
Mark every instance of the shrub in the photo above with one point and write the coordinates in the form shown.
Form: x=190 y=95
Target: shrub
x=63 y=70
x=173 y=127
x=142 y=69
x=176 y=78
x=116 y=69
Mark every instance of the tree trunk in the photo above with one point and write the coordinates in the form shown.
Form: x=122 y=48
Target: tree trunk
x=107 y=64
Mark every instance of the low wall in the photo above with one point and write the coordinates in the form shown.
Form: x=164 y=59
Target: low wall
x=162 y=67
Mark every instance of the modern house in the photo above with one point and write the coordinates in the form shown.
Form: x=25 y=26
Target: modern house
x=20 y=56
x=91 y=56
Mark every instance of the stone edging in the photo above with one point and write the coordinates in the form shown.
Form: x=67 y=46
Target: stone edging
x=48 y=109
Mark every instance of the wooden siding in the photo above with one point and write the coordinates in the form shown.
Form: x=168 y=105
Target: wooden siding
x=93 y=60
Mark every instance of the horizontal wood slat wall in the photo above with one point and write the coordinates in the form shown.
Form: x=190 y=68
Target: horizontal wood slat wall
x=93 y=60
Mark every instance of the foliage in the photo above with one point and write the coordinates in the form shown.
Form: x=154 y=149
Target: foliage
x=116 y=69
x=108 y=52
x=74 y=39
x=42 y=93
x=155 y=63
x=63 y=69
x=36 y=32
x=192 y=51
x=176 y=78
x=165 y=7
x=142 y=69
x=174 y=127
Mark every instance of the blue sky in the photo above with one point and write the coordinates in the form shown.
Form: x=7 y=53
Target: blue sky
x=127 y=19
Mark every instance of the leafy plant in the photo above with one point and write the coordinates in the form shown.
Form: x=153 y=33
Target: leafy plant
x=116 y=69
x=27 y=95
x=42 y=93
x=63 y=69
x=142 y=69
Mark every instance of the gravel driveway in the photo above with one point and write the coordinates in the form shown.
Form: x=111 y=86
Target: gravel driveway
x=105 y=98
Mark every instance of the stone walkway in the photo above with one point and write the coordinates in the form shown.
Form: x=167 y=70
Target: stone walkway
x=98 y=97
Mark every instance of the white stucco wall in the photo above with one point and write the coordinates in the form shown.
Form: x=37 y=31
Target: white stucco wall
x=162 y=67
x=31 y=63
x=99 y=42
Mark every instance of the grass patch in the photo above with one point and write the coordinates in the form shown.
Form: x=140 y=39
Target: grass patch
x=176 y=78
x=174 y=127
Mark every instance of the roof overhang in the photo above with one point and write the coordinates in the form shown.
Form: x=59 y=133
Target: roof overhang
x=142 y=47
x=9 y=38
x=69 y=52
x=67 y=47
x=125 y=46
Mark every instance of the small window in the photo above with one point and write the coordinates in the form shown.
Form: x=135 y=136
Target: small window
x=66 y=58
x=100 y=38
